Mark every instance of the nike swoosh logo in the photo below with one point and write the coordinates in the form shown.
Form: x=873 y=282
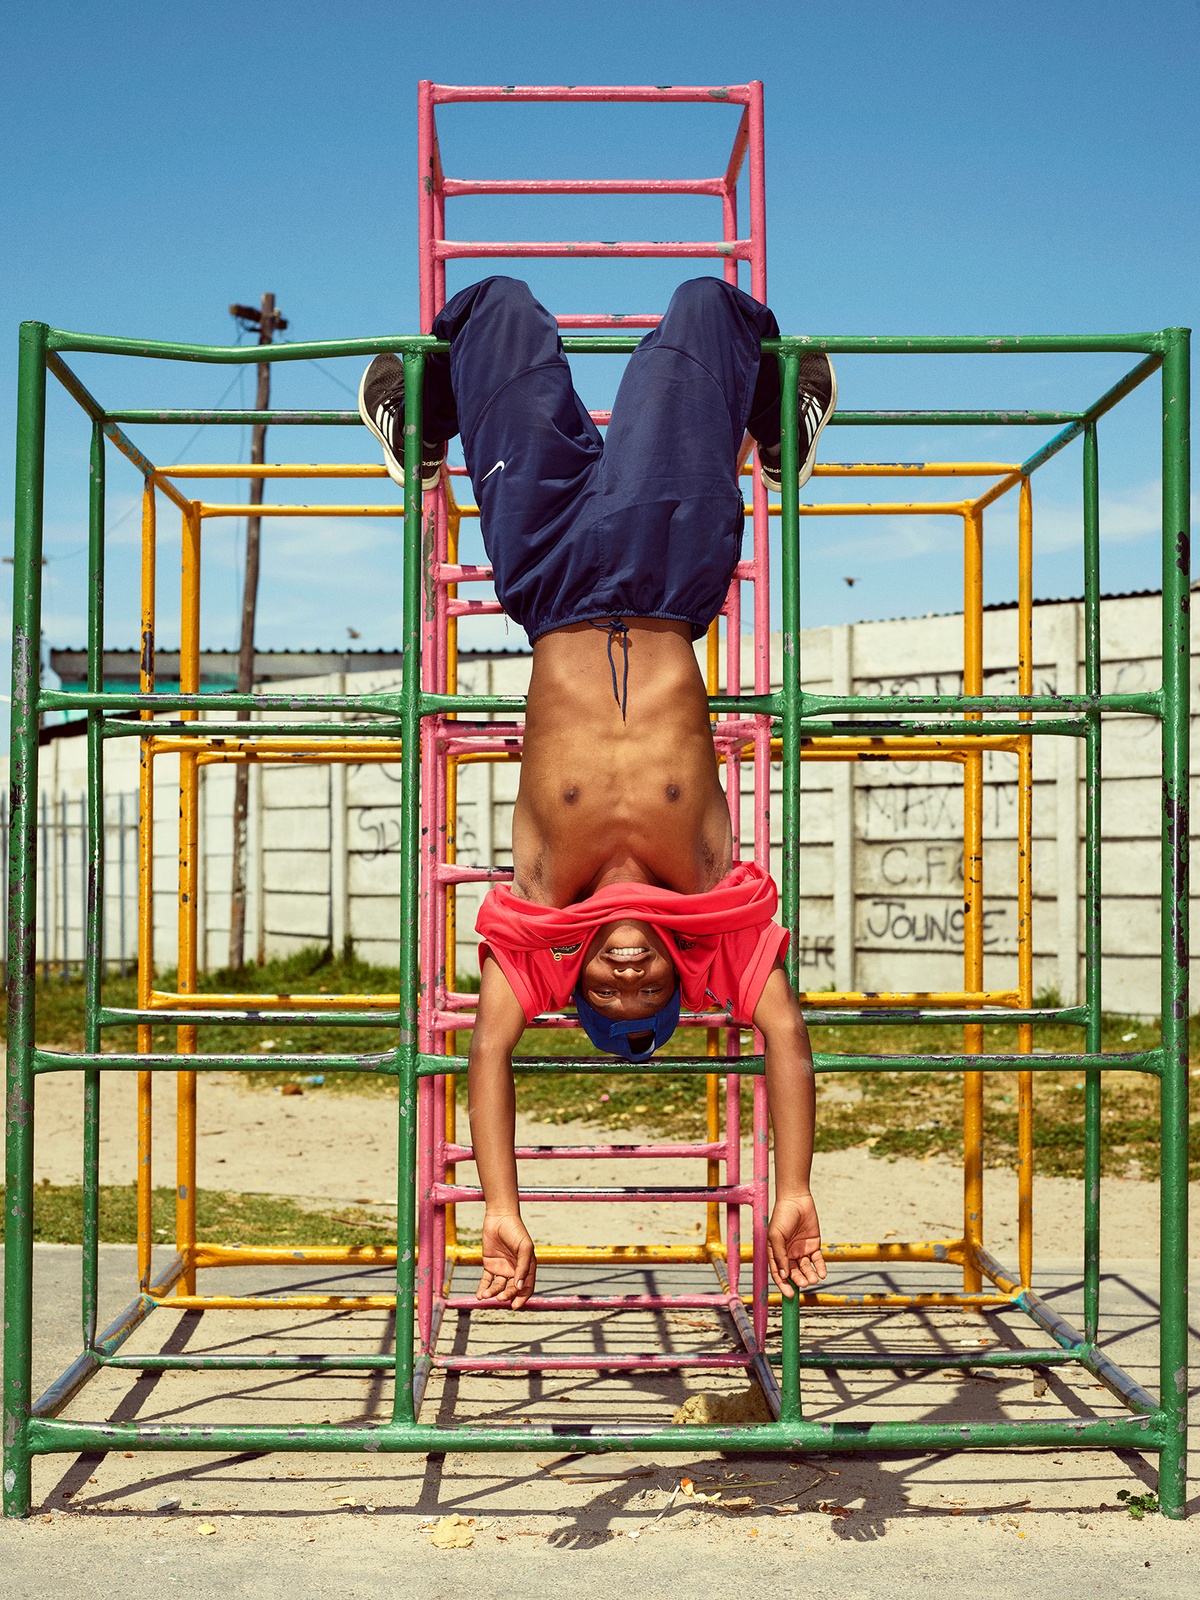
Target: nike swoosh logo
x=499 y=467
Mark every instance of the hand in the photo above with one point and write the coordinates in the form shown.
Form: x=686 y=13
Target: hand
x=509 y=1264
x=794 y=1244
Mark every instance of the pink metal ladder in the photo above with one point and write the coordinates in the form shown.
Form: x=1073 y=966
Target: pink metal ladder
x=445 y=1012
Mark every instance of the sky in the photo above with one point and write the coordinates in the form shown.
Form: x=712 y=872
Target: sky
x=931 y=168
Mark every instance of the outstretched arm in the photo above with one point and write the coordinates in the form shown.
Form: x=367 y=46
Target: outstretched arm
x=509 y=1264
x=794 y=1235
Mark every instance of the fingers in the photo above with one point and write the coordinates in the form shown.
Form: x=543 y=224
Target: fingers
x=806 y=1266
x=777 y=1261
x=525 y=1278
x=793 y=1260
x=492 y=1285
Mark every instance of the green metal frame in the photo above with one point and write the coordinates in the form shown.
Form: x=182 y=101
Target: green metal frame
x=1153 y=1425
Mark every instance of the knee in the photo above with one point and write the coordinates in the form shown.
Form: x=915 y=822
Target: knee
x=702 y=293
x=510 y=291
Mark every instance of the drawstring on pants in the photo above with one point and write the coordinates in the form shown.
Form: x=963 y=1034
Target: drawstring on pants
x=617 y=626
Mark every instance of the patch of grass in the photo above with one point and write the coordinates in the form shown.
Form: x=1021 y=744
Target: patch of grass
x=246 y=1219
x=891 y=1113
x=59 y=1017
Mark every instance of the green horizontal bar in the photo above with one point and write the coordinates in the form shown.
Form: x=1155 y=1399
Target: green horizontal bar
x=124 y=728
x=112 y=728
x=429 y=1066
x=828 y=1361
x=657 y=1066
x=85 y=700
x=768 y=705
x=618 y=344
x=1148 y=703
x=243 y=355
x=119 y=1016
x=1002 y=727
x=1149 y=1061
x=843 y=419
x=45 y=1436
x=944 y=419
x=1071 y=1016
x=385 y=1063
x=817 y=1017
x=275 y=418
x=967 y=344
x=373 y=1362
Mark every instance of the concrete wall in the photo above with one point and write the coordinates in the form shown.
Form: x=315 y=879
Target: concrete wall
x=881 y=842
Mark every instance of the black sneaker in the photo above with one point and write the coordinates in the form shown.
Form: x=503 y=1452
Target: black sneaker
x=381 y=406
x=818 y=399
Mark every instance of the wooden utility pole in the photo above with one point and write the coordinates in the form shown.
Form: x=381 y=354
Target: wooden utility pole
x=266 y=319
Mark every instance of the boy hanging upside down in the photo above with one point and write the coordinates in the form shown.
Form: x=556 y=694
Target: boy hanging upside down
x=614 y=555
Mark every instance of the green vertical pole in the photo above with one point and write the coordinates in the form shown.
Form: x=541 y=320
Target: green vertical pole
x=93 y=934
x=403 y=1410
x=22 y=915
x=1092 y=881
x=1176 y=596
x=789 y=574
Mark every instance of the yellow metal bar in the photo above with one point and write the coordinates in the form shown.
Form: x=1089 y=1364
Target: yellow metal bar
x=997 y=490
x=271 y=744
x=296 y=758
x=952 y=1250
x=289 y=1302
x=877 y=508
x=145 y=959
x=906 y=750
x=900 y=997
x=227 y=469
x=226 y=1255
x=900 y=1302
x=580 y=1255
x=271 y=509
x=972 y=903
x=164 y=1000
x=897 y=745
x=189 y=781
x=1025 y=884
x=384 y=1302
x=908 y=469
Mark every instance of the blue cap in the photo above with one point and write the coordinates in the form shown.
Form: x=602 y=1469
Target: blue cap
x=613 y=1037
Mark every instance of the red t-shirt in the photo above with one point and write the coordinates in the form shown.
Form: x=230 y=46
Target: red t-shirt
x=723 y=943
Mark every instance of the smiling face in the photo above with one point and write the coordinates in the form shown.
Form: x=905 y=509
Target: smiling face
x=627 y=974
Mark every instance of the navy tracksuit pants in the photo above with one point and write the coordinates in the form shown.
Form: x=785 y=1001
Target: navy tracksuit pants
x=646 y=522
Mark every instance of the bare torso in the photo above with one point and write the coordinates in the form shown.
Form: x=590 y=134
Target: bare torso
x=603 y=800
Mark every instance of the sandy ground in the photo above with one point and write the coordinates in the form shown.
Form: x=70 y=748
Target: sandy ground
x=341 y=1149
x=306 y=1524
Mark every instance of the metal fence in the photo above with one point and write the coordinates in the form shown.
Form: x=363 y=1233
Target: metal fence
x=63 y=848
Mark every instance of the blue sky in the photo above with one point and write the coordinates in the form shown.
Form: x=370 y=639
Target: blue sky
x=962 y=167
